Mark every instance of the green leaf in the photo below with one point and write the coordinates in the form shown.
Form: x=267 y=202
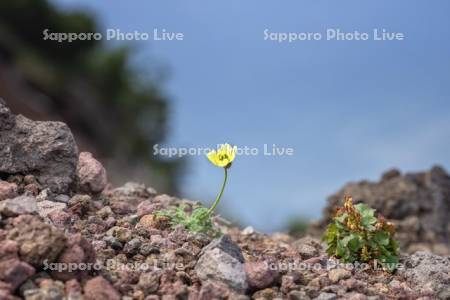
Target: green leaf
x=340 y=249
x=382 y=237
x=367 y=214
x=330 y=234
x=355 y=244
x=346 y=240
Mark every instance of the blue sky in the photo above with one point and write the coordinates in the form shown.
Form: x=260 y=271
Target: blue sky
x=350 y=109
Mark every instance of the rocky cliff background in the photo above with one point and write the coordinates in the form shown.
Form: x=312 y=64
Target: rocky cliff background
x=115 y=110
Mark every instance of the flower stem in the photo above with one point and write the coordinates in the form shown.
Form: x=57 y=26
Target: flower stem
x=213 y=207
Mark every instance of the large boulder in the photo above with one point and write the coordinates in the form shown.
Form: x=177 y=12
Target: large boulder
x=417 y=203
x=44 y=149
x=427 y=271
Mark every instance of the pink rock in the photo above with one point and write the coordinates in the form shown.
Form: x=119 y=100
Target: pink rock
x=5 y=286
x=78 y=251
x=212 y=290
x=6 y=295
x=357 y=296
x=350 y=283
x=99 y=288
x=122 y=207
x=146 y=207
x=260 y=275
x=73 y=287
x=60 y=218
x=7 y=190
x=91 y=173
x=15 y=272
x=8 y=249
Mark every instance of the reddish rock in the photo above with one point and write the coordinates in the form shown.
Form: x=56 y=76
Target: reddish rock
x=15 y=272
x=7 y=190
x=78 y=251
x=3 y=234
x=32 y=189
x=37 y=241
x=60 y=218
x=5 y=286
x=212 y=290
x=147 y=207
x=8 y=249
x=73 y=289
x=6 y=295
x=260 y=275
x=91 y=174
x=99 y=288
x=122 y=207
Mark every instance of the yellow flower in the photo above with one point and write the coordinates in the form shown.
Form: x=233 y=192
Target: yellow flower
x=223 y=157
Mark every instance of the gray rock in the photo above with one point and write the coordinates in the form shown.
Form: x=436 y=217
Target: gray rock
x=426 y=269
x=131 y=189
x=46 y=150
x=149 y=282
x=326 y=296
x=222 y=261
x=225 y=244
x=444 y=293
x=337 y=274
x=113 y=242
x=147 y=249
x=18 y=206
x=62 y=198
x=248 y=230
x=49 y=290
x=298 y=295
x=45 y=194
x=132 y=247
x=45 y=207
x=308 y=247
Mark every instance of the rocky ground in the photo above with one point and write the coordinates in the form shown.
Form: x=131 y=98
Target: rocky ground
x=66 y=234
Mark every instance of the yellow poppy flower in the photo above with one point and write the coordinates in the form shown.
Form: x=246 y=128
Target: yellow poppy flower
x=224 y=156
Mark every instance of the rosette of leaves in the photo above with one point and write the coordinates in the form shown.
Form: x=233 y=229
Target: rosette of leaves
x=196 y=220
x=356 y=235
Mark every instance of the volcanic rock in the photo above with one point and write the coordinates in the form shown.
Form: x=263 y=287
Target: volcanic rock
x=46 y=150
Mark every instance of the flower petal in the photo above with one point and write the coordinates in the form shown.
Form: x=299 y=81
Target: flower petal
x=212 y=156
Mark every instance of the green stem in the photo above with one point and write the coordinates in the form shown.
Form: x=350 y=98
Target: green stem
x=211 y=210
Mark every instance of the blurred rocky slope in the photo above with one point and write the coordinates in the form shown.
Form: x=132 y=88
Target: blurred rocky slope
x=116 y=111
x=417 y=203
x=65 y=233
